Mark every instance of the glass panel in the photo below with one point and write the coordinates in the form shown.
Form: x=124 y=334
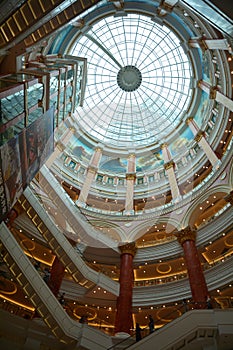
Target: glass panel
x=34 y=115
x=12 y=105
x=35 y=93
x=138 y=81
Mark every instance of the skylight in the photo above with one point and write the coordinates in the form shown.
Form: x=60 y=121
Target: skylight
x=138 y=81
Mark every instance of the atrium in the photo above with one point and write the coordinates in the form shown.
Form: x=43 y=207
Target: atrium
x=116 y=174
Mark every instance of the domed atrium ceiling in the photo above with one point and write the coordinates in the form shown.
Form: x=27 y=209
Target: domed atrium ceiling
x=138 y=83
x=141 y=88
x=146 y=152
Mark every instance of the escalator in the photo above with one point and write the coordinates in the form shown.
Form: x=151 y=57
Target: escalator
x=68 y=331
x=60 y=246
x=86 y=232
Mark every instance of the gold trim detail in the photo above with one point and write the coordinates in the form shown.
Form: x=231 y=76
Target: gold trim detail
x=85 y=310
x=189 y=120
x=169 y=165
x=226 y=243
x=161 y=271
x=164 y=319
x=25 y=247
x=199 y=136
x=6 y=283
x=128 y=248
x=131 y=177
x=164 y=145
x=213 y=92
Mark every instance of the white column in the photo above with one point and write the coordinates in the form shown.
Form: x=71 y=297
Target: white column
x=60 y=147
x=169 y=168
x=130 y=180
x=166 y=6
x=216 y=44
x=216 y=95
x=209 y=44
x=200 y=139
x=91 y=173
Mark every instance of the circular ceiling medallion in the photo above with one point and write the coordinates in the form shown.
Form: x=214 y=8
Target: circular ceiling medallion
x=163 y=268
x=229 y=241
x=160 y=236
x=168 y=314
x=27 y=244
x=129 y=78
x=138 y=82
x=8 y=287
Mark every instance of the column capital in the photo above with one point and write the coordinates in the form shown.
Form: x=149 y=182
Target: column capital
x=163 y=145
x=186 y=234
x=169 y=165
x=199 y=136
x=98 y=149
x=60 y=146
x=128 y=248
x=131 y=155
x=131 y=176
x=229 y=198
x=213 y=92
x=189 y=120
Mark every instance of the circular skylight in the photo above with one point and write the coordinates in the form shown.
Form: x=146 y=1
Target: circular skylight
x=138 y=81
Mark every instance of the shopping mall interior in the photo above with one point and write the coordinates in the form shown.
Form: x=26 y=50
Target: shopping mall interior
x=116 y=174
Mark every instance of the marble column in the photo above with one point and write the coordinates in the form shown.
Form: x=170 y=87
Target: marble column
x=166 y=7
x=60 y=146
x=56 y=275
x=90 y=176
x=130 y=181
x=124 y=321
x=215 y=94
x=169 y=166
x=199 y=137
x=186 y=237
x=209 y=44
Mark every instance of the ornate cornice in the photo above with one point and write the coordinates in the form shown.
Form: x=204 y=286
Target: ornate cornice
x=128 y=248
x=186 y=234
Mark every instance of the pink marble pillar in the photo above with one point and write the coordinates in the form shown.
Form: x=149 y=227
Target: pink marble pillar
x=124 y=321
x=186 y=238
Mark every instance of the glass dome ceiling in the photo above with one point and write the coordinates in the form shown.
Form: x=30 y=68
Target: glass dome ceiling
x=138 y=81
